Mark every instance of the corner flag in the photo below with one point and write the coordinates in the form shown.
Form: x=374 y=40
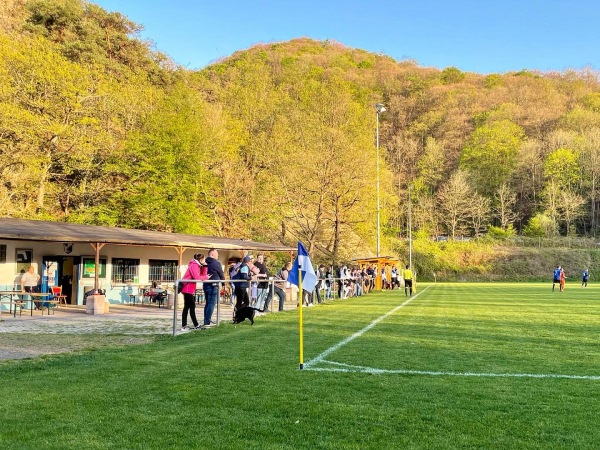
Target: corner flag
x=309 y=278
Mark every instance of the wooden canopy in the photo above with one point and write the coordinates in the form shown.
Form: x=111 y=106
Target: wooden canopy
x=380 y=262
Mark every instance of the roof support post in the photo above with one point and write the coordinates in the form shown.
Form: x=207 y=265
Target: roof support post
x=180 y=251
x=97 y=247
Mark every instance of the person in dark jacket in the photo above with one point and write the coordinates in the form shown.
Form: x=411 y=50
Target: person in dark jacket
x=211 y=286
x=241 y=287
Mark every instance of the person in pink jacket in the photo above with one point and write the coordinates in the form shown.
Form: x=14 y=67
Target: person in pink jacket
x=196 y=270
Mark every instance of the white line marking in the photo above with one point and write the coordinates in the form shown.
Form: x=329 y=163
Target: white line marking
x=359 y=333
x=361 y=369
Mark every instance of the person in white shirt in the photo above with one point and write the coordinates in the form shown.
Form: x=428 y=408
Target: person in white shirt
x=394 y=276
x=29 y=284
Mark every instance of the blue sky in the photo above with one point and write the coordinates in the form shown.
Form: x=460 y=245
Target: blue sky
x=483 y=36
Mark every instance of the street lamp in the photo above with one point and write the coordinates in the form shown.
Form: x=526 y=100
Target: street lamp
x=409 y=227
x=379 y=109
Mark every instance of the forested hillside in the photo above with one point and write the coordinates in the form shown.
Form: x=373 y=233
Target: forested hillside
x=277 y=142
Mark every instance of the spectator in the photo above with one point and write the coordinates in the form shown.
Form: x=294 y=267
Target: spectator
x=211 y=288
x=384 y=280
x=357 y=278
x=343 y=276
x=329 y=283
x=282 y=275
x=254 y=286
x=365 y=280
x=371 y=274
x=394 y=277
x=264 y=293
x=320 y=275
x=29 y=284
x=231 y=271
x=241 y=287
x=188 y=290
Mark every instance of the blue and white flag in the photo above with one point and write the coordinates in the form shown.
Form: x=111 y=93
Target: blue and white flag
x=309 y=278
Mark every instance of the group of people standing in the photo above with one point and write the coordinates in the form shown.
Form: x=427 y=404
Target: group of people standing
x=559 y=277
x=357 y=281
x=250 y=284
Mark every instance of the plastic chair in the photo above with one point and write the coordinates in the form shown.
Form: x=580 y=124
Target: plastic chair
x=58 y=295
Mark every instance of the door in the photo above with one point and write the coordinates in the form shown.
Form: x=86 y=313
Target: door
x=61 y=271
x=51 y=267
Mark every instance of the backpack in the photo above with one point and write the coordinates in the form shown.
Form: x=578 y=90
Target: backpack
x=234 y=271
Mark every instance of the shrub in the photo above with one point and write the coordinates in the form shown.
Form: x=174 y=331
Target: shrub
x=501 y=233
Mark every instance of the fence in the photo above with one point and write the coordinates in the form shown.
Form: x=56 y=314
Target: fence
x=330 y=289
x=556 y=242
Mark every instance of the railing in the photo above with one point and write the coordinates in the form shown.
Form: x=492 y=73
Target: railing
x=330 y=292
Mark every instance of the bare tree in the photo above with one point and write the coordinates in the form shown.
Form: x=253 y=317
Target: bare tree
x=570 y=208
x=455 y=202
x=480 y=212
x=506 y=200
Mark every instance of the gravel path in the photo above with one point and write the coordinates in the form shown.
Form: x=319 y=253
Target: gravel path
x=27 y=336
x=138 y=320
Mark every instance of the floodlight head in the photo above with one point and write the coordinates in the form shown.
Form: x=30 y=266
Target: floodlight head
x=380 y=108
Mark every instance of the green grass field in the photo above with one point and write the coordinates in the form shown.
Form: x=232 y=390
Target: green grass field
x=458 y=366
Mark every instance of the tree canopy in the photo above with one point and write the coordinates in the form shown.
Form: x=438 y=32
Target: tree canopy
x=277 y=142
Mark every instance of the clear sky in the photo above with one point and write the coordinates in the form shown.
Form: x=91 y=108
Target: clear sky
x=483 y=36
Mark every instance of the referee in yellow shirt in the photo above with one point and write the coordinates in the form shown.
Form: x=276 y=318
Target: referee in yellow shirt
x=408 y=280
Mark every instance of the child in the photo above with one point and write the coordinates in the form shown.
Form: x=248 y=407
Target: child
x=584 y=278
x=556 y=277
x=254 y=288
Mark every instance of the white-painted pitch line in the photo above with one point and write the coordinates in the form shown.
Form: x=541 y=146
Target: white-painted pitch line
x=359 y=333
x=341 y=367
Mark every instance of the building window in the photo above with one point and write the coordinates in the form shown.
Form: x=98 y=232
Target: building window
x=125 y=270
x=2 y=253
x=24 y=258
x=162 y=271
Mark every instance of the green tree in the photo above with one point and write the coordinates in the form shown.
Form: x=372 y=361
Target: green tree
x=172 y=175
x=561 y=167
x=490 y=154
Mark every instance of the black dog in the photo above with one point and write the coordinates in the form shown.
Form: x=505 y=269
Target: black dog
x=245 y=312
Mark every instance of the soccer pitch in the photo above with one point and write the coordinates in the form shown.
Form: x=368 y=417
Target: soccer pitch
x=482 y=330
x=459 y=365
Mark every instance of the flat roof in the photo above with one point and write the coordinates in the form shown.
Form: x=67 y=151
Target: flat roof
x=40 y=230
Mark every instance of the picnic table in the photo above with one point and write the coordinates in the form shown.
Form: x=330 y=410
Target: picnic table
x=51 y=301
x=11 y=297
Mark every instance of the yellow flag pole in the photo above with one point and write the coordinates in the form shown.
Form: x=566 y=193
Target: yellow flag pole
x=300 y=316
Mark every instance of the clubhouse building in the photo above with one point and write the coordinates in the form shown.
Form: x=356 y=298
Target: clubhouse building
x=119 y=261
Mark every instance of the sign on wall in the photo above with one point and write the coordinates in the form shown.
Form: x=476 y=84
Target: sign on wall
x=89 y=267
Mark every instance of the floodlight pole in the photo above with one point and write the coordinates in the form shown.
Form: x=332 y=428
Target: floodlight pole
x=379 y=108
x=409 y=227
